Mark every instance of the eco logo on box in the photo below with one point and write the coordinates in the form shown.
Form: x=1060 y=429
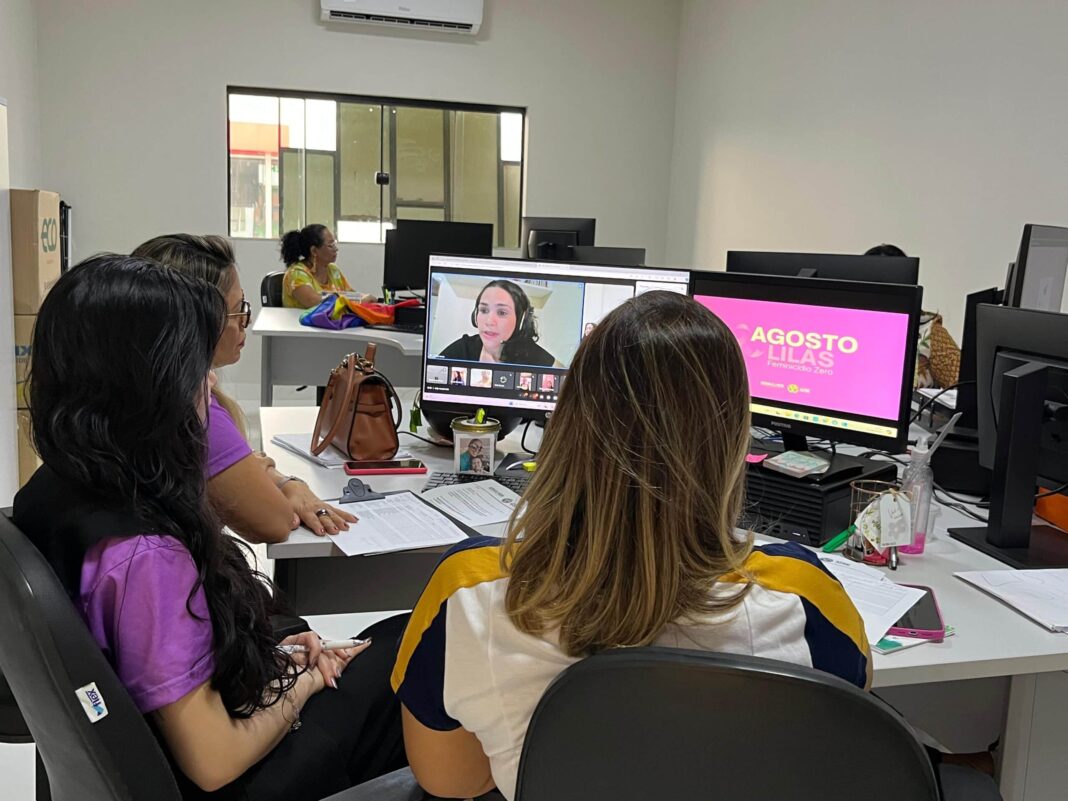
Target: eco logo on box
x=49 y=234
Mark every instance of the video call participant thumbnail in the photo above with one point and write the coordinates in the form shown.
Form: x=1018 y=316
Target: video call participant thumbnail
x=507 y=329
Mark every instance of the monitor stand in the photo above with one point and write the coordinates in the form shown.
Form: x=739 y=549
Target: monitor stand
x=1008 y=535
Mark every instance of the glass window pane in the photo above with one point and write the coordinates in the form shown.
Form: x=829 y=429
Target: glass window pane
x=320 y=121
x=509 y=236
x=360 y=152
x=473 y=195
x=292 y=189
x=253 y=130
x=511 y=136
x=420 y=147
x=320 y=194
x=420 y=213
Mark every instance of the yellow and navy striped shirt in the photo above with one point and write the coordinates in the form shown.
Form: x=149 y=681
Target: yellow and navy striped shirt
x=462 y=662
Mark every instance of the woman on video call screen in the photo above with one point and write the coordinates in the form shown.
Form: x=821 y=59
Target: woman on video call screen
x=507 y=330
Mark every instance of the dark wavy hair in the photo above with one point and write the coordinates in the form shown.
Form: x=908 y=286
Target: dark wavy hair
x=122 y=349
x=297 y=245
x=526 y=326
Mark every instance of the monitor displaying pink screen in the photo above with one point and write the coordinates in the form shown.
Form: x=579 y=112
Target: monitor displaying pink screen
x=846 y=360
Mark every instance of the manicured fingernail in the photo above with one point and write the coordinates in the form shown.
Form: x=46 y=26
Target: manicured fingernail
x=320 y=532
x=333 y=683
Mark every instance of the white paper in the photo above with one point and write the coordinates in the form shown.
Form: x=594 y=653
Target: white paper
x=1042 y=595
x=300 y=444
x=398 y=522
x=477 y=503
x=881 y=602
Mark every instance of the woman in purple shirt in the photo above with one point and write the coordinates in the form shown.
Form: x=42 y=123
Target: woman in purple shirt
x=119 y=402
x=248 y=493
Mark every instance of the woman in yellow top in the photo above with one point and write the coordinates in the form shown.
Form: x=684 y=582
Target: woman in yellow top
x=310 y=270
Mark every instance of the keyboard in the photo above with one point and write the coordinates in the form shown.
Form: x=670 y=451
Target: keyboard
x=517 y=483
x=404 y=328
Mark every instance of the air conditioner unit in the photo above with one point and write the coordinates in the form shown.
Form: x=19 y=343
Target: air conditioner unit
x=447 y=16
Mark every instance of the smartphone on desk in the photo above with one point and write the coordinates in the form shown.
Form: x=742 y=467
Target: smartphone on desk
x=385 y=467
x=923 y=620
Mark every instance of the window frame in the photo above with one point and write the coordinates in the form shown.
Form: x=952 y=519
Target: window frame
x=388 y=102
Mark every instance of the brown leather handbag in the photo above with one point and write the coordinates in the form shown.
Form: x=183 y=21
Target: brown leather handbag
x=357 y=413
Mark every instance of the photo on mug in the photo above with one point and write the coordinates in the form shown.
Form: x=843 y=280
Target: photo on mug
x=474 y=454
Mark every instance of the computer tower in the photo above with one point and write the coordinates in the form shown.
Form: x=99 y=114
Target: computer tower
x=808 y=510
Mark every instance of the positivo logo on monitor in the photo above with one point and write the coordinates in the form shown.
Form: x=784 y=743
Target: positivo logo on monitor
x=92 y=702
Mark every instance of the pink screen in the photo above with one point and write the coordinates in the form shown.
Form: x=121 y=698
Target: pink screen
x=847 y=360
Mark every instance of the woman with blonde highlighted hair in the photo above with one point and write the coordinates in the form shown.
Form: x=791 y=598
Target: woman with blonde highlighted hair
x=626 y=537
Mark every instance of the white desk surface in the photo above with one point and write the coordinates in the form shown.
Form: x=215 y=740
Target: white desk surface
x=991 y=638
x=273 y=321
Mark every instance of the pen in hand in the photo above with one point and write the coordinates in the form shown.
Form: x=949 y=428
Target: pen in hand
x=326 y=645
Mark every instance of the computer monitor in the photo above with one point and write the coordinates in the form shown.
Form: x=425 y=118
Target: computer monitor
x=1036 y=279
x=829 y=359
x=551 y=238
x=585 y=254
x=501 y=333
x=1022 y=372
x=409 y=245
x=872 y=269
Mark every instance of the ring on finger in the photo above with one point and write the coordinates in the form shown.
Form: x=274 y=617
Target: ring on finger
x=322 y=512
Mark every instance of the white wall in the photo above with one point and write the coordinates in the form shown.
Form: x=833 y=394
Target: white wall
x=134 y=126
x=18 y=83
x=834 y=125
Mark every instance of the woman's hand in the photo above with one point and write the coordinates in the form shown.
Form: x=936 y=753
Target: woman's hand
x=305 y=504
x=265 y=461
x=327 y=665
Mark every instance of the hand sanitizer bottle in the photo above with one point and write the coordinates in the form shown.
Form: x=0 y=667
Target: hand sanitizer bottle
x=918 y=482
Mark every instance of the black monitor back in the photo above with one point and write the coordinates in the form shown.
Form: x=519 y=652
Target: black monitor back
x=843 y=267
x=1006 y=337
x=624 y=257
x=555 y=236
x=409 y=245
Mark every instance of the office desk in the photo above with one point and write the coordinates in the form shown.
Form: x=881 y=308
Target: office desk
x=992 y=640
x=297 y=354
x=319 y=578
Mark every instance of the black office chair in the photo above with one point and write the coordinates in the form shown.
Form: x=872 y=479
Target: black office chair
x=271 y=289
x=660 y=723
x=47 y=656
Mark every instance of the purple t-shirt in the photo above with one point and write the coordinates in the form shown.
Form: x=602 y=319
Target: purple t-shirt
x=133 y=598
x=226 y=445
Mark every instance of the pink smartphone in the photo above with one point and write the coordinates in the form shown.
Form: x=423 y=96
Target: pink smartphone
x=385 y=467
x=923 y=620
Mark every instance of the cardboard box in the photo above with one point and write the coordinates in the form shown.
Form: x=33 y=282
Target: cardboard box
x=29 y=461
x=23 y=340
x=34 y=246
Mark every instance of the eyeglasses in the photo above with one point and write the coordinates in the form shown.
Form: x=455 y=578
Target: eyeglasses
x=244 y=317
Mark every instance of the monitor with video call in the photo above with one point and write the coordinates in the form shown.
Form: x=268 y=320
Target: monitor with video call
x=501 y=333
x=830 y=359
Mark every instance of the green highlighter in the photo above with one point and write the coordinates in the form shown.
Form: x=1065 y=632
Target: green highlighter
x=839 y=540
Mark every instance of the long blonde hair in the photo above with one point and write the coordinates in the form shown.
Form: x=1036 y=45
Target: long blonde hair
x=629 y=520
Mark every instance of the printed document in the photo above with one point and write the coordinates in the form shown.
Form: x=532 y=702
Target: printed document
x=881 y=602
x=399 y=522
x=478 y=503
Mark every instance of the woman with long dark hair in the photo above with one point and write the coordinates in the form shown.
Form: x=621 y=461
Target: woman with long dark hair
x=119 y=400
x=507 y=329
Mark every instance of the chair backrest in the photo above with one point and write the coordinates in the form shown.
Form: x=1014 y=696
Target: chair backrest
x=271 y=289
x=49 y=657
x=658 y=723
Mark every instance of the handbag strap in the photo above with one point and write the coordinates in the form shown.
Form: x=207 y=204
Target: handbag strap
x=346 y=377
